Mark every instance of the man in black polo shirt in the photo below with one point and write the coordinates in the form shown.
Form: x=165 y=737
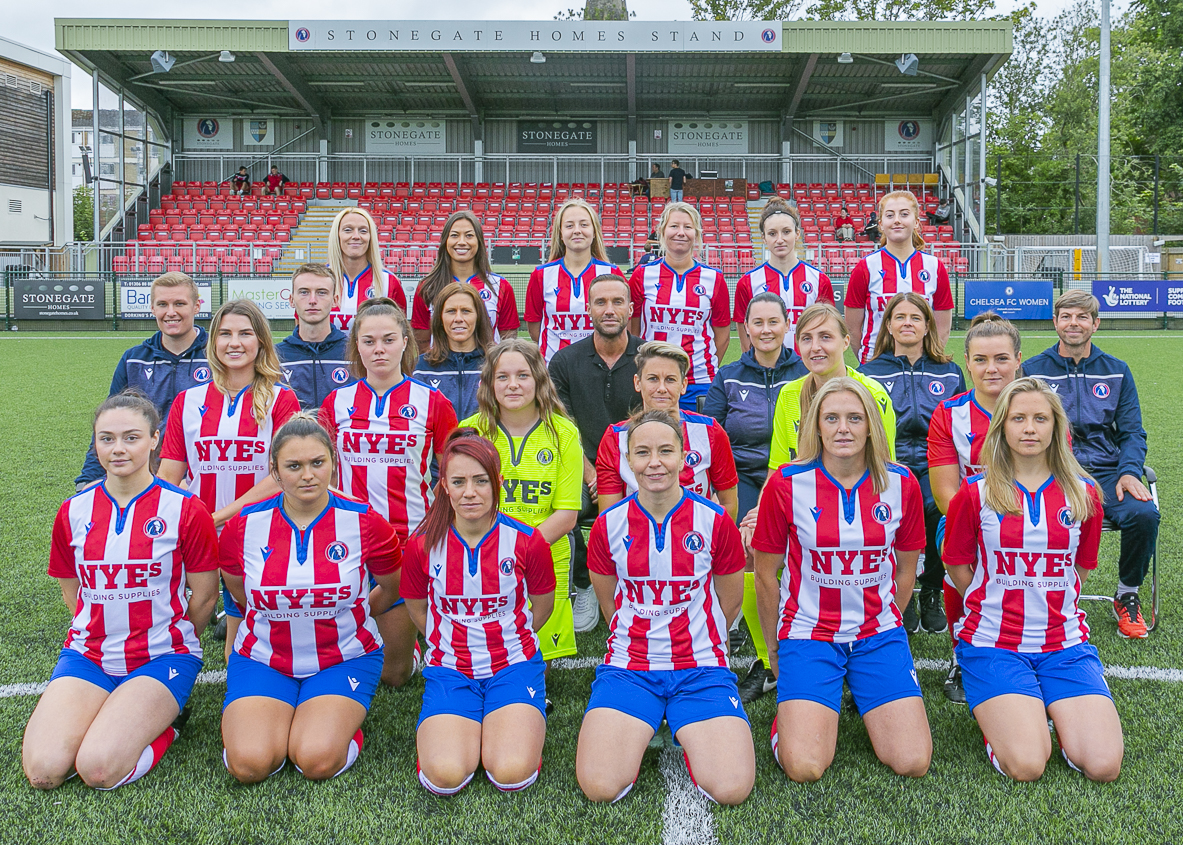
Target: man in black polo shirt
x=594 y=378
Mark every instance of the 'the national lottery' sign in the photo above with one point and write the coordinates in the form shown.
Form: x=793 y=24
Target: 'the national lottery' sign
x=1126 y=295
x=1014 y=300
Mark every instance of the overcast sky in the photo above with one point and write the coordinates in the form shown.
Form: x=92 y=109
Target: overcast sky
x=32 y=23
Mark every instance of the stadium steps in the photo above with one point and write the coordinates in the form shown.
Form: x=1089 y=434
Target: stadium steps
x=310 y=241
x=754 y=210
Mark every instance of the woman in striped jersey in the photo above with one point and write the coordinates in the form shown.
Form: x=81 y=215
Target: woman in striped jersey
x=307 y=660
x=556 y=296
x=683 y=302
x=797 y=283
x=847 y=525
x=218 y=435
x=667 y=567
x=386 y=427
x=479 y=585
x=124 y=551
x=1022 y=538
x=356 y=260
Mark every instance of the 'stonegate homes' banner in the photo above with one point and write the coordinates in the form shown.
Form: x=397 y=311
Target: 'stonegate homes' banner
x=135 y=298
x=396 y=136
x=58 y=299
x=494 y=36
x=1011 y=299
x=556 y=136
x=1119 y=296
x=707 y=137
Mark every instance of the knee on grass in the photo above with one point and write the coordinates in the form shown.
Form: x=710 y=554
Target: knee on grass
x=1025 y=768
x=511 y=771
x=444 y=773
x=395 y=673
x=726 y=791
x=912 y=763
x=602 y=788
x=252 y=767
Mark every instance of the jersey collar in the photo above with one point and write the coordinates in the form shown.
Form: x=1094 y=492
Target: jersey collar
x=659 y=532
x=302 y=537
x=380 y=398
x=121 y=513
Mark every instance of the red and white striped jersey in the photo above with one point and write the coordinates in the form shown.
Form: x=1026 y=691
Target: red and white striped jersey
x=385 y=444
x=131 y=565
x=709 y=464
x=838 y=583
x=478 y=612
x=667 y=613
x=798 y=289
x=307 y=592
x=498 y=296
x=1025 y=591
x=956 y=434
x=558 y=300
x=357 y=290
x=880 y=276
x=683 y=310
x=216 y=435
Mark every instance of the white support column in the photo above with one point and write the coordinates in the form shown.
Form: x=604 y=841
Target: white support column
x=1103 y=146
x=322 y=163
x=632 y=157
x=982 y=167
x=94 y=157
x=478 y=151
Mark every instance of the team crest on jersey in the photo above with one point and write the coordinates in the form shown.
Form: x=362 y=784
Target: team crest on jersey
x=881 y=513
x=545 y=456
x=155 y=527
x=340 y=375
x=369 y=294
x=1101 y=390
x=936 y=388
x=924 y=276
x=693 y=458
x=700 y=290
x=336 y=551
x=201 y=374
x=807 y=287
x=1064 y=517
x=694 y=542
x=486 y=294
x=408 y=412
x=506 y=565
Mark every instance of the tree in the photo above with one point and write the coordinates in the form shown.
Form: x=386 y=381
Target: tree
x=598 y=10
x=83 y=213
x=860 y=10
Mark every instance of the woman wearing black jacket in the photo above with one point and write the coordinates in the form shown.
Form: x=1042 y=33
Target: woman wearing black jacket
x=915 y=371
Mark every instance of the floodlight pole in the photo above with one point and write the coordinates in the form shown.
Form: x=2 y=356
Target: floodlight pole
x=1103 y=146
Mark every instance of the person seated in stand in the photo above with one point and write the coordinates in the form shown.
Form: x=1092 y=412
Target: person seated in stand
x=655 y=171
x=871 y=229
x=844 y=226
x=240 y=182
x=126 y=552
x=1101 y=401
x=274 y=181
x=842 y=500
x=667 y=654
x=941 y=214
x=1023 y=643
x=484 y=701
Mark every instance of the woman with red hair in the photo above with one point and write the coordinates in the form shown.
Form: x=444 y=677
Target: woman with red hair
x=479 y=585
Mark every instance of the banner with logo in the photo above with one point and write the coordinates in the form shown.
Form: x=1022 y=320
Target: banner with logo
x=708 y=137
x=135 y=299
x=1118 y=296
x=556 y=136
x=58 y=299
x=402 y=137
x=568 y=36
x=208 y=133
x=905 y=136
x=1026 y=300
x=269 y=294
x=258 y=131
x=828 y=133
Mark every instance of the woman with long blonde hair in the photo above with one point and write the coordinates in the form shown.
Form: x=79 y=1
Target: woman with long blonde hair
x=1021 y=539
x=899 y=264
x=464 y=257
x=541 y=464
x=683 y=302
x=556 y=296
x=218 y=435
x=355 y=257
x=847 y=525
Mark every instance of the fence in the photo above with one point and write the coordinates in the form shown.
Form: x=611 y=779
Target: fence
x=1053 y=193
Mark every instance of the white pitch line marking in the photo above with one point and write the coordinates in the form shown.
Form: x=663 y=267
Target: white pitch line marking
x=686 y=817
x=927 y=664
